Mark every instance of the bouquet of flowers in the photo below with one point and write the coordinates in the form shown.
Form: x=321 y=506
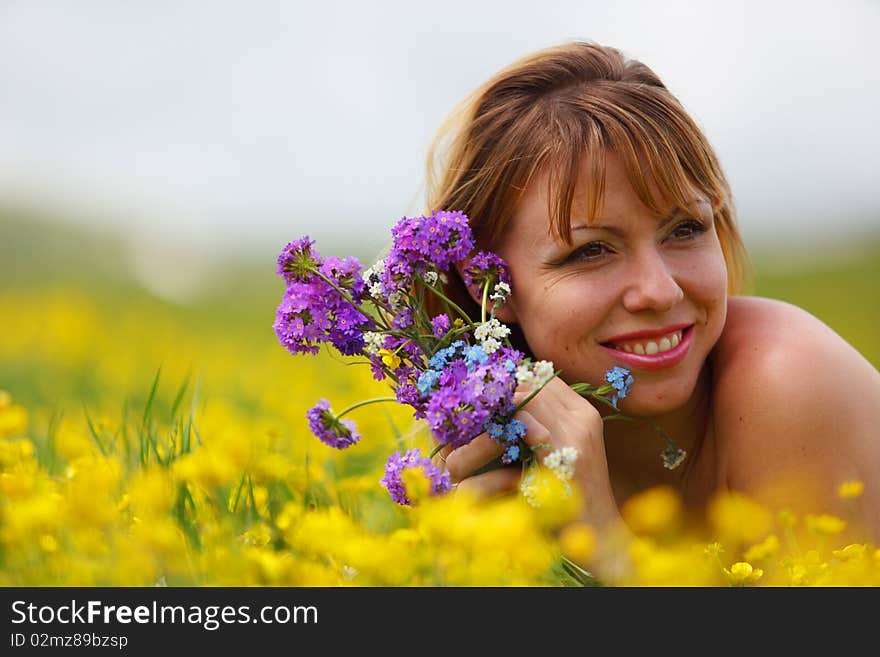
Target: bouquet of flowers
x=457 y=373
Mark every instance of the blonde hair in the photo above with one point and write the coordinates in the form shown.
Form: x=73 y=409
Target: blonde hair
x=544 y=112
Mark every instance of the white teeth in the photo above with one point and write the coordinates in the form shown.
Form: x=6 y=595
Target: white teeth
x=651 y=347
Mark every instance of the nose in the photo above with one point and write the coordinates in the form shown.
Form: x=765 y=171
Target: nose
x=651 y=284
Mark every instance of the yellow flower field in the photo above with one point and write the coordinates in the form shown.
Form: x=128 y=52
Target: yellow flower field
x=147 y=444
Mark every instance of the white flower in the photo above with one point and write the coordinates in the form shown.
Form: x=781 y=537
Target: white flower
x=501 y=292
x=394 y=300
x=371 y=277
x=377 y=269
x=561 y=462
x=535 y=374
x=490 y=345
x=491 y=329
x=542 y=371
x=528 y=488
x=524 y=374
x=673 y=457
x=431 y=277
x=374 y=342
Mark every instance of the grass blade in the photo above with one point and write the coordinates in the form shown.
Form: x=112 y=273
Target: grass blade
x=94 y=431
x=180 y=394
x=150 y=399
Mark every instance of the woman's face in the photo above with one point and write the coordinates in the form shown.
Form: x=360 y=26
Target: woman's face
x=630 y=271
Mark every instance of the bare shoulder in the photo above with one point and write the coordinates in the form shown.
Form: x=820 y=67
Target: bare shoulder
x=791 y=398
x=769 y=335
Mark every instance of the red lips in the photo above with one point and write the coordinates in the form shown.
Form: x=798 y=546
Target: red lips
x=648 y=333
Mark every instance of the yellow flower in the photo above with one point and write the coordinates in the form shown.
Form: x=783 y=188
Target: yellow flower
x=258 y=536
x=851 y=489
x=13 y=418
x=578 y=542
x=416 y=484
x=654 y=511
x=713 y=549
x=665 y=564
x=48 y=543
x=389 y=358
x=766 y=548
x=737 y=518
x=288 y=516
x=806 y=570
x=15 y=452
x=742 y=573
x=555 y=501
x=824 y=524
x=852 y=551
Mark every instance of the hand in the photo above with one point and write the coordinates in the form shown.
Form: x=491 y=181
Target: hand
x=557 y=417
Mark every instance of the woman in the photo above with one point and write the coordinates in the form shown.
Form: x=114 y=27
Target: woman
x=579 y=168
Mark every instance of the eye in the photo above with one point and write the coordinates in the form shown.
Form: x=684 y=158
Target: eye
x=589 y=252
x=688 y=229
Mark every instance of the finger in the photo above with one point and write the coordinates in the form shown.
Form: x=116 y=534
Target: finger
x=492 y=483
x=547 y=402
x=463 y=460
x=566 y=396
x=439 y=459
x=536 y=432
x=555 y=396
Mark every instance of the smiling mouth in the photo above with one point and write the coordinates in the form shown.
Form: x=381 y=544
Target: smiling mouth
x=649 y=346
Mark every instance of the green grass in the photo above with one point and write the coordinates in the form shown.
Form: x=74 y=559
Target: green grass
x=842 y=289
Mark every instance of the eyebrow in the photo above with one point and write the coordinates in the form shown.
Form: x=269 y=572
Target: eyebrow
x=676 y=213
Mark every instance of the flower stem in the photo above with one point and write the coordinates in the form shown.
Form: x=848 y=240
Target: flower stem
x=345 y=295
x=375 y=400
x=585 y=389
x=485 y=300
x=452 y=304
x=535 y=392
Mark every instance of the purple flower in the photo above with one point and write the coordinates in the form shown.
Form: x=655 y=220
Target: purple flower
x=423 y=244
x=312 y=310
x=485 y=268
x=442 y=239
x=297 y=261
x=377 y=369
x=346 y=273
x=394 y=468
x=403 y=318
x=440 y=325
x=469 y=394
x=331 y=430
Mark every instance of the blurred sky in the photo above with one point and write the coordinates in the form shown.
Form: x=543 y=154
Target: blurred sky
x=246 y=124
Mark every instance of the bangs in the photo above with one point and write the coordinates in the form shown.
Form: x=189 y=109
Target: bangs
x=650 y=133
x=558 y=109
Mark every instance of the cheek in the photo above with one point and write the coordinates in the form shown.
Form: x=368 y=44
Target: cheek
x=563 y=314
x=707 y=286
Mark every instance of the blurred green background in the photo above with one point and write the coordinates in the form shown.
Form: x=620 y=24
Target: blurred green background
x=237 y=296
